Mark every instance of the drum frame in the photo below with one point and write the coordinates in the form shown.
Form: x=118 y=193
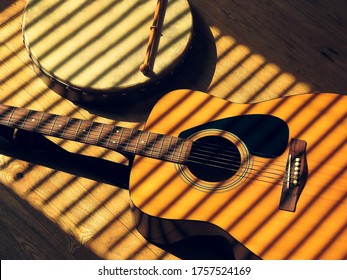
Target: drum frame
x=131 y=94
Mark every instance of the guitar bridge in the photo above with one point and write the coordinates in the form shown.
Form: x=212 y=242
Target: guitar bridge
x=296 y=175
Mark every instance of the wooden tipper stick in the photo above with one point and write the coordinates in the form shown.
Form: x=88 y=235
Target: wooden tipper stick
x=154 y=37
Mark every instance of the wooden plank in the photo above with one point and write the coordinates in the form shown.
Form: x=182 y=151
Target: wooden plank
x=25 y=234
x=242 y=51
x=87 y=211
x=10 y=8
x=265 y=49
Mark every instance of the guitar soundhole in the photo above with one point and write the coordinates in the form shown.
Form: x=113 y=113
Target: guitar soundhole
x=214 y=159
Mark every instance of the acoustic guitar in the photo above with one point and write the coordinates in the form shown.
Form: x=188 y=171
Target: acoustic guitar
x=270 y=177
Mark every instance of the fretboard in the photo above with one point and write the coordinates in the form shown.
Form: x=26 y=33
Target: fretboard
x=122 y=139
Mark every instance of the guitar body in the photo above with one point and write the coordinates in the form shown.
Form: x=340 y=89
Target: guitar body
x=171 y=202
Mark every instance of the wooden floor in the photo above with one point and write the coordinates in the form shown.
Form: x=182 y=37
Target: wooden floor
x=64 y=200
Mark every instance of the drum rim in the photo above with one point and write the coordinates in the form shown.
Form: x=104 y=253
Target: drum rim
x=140 y=87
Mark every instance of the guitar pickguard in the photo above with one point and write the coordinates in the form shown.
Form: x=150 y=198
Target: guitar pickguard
x=222 y=153
x=264 y=135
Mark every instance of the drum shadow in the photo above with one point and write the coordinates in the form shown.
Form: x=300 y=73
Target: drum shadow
x=198 y=69
x=195 y=72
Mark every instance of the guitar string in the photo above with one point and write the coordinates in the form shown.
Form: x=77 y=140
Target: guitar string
x=212 y=146
x=201 y=155
x=253 y=174
x=26 y=112
x=232 y=163
x=211 y=150
x=203 y=147
x=88 y=128
x=206 y=146
x=257 y=173
x=234 y=168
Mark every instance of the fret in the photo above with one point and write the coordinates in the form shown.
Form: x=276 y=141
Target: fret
x=101 y=130
x=108 y=132
x=120 y=136
x=80 y=132
x=128 y=140
x=156 y=136
x=148 y=136
x=33 y=119
x=168 y=140
x=137 y=142
x=10 y=118
x=65 y=127
x=142 y=142
x=95 y=132
x=78 y=129
x=145 y=142
x=52 y=127
x=174 y=147
x=88 y=132
x=25 y=119
x=161 y=146
x=109 y=137
x=180 y=152
x=59 y=125
x=84 y=130
x=39 y=122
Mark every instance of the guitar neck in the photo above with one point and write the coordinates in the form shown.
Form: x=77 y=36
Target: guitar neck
x=117 y=138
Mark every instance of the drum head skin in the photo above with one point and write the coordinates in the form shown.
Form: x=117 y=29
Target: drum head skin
x=95 y=48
